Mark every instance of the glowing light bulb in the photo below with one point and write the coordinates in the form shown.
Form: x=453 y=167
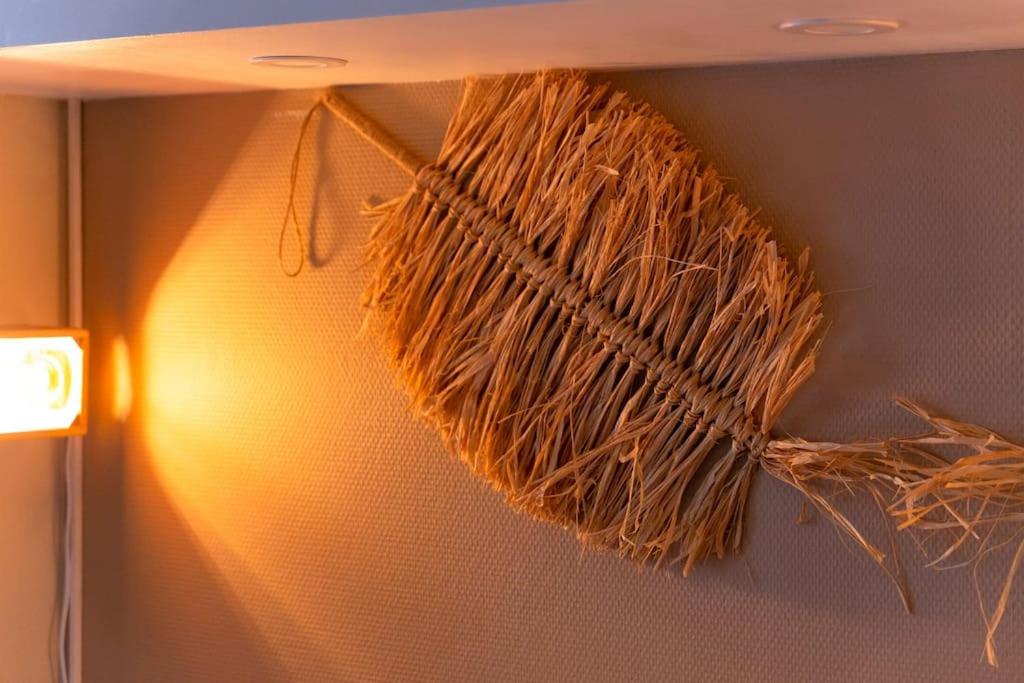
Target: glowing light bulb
x=42 y=383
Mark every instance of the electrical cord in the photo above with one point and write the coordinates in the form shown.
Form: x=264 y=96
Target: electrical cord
x=66 y=565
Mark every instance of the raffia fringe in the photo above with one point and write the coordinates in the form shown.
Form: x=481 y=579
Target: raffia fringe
x=962 y=510
x=596 y=326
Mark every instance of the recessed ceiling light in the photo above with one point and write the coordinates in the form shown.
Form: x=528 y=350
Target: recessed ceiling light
x=298 y=61
x=846 y=26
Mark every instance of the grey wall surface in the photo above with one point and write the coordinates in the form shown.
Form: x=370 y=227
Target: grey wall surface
x=270 y=512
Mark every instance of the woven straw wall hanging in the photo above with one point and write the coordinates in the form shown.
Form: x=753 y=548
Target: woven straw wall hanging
x=600 y=329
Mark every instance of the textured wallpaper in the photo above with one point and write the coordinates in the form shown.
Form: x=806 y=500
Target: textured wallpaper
x=269 y=512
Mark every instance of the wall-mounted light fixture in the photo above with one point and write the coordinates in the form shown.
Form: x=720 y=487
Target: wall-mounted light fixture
x=42 y=382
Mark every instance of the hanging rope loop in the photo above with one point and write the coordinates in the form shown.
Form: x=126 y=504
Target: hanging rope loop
x=291 y=214
x=366 y=128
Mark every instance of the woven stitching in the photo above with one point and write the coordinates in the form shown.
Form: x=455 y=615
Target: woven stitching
x=680 y=386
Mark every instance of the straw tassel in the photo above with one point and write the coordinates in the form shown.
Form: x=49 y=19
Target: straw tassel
x=598 y=328
x=963 y=509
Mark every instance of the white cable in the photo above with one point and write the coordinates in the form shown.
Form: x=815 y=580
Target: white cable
x=65 y=607
x=70 y=631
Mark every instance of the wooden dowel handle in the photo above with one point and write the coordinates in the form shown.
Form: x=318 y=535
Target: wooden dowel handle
x=371 y=131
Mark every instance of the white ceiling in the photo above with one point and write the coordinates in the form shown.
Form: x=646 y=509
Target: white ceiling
x=445 y=45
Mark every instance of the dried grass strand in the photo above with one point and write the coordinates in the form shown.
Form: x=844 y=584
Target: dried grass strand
x=960 y=506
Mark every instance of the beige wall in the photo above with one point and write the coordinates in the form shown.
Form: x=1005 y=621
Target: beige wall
x=31 y=276
x=270 y=512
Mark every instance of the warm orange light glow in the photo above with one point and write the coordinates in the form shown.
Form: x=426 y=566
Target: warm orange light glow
x=257 y=456
x=42 y=383
x=236 y=377
x=123 y=391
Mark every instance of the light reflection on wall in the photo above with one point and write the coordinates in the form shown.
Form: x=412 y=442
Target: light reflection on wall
x=224 y=405
x=256 y=397
x=122 y=380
